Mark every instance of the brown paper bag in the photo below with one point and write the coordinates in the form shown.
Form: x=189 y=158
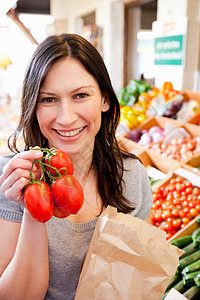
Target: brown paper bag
x=127 y=259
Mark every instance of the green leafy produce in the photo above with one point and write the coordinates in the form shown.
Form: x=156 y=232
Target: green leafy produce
x=129 y=95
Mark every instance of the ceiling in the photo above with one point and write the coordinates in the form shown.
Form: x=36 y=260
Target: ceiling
x=33 y=6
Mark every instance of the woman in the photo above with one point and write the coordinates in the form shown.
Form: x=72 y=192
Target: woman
x=68 y=103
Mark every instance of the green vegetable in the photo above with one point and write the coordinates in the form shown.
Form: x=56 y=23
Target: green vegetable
x=196 y=236
x=183 y=262
x=188 y=279
x=192 y=293
x=182 y=241
x=197 y=280
x=129 y=95
x=195 y=266
x=173 y=281
x=189 y=249
x=180 y=287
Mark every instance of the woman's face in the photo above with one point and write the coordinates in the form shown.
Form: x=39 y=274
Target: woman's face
x=69 y=107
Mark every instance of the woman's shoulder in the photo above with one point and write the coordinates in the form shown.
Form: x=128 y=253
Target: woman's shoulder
x=136 y=186
x=133 y=165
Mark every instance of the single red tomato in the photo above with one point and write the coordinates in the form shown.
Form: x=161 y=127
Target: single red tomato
x=188 y=184
x=175 y=213
x=196 y=191
x=38 y=199
x=59 y=159
x=198 y=207
x=185 y=220
x=194 y=212
x=179 y=179
x=68 y=194
x=157 y=217
x=166 y=214
x=182 y=214
x=176 y=223
x=168 y=226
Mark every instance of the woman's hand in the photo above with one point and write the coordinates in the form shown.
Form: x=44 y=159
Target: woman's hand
x=16 y=174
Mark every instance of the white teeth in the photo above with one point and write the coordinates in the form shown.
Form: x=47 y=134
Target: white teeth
x=71 y=133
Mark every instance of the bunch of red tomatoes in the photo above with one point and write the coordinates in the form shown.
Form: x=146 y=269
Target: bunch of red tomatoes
x=174 y=205
x=57 y=192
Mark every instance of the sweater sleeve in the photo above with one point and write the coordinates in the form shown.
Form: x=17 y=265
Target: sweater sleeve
x=9 y=210
x=137 y=187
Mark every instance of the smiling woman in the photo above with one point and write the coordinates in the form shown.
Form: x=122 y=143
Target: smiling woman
x=68 y=103
x=73 y=101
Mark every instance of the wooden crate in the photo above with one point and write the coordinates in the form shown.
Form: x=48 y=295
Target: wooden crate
x=163 y=164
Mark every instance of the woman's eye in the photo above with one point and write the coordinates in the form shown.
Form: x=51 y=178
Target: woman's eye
x=48 y=100
x=81 y=95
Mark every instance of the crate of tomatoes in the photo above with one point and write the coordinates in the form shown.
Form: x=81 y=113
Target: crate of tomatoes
x=175 y=203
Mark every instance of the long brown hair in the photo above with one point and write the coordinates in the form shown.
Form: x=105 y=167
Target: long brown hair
x=107 y=157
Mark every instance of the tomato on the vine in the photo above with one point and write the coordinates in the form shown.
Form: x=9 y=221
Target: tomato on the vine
x=58 y=159
x=67 y=194
x=39 y=201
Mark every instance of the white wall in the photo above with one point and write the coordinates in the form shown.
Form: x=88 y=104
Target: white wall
x=110 y=17
x=182 y=77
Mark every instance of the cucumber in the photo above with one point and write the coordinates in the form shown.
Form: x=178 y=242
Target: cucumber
x=195 y=266
x=192 y=293
x=188 y=279
x=197 y=280
x=189 y=249
x=183 y=262
x=182 y=241
x=173 y=281
x=196 y=236
x=180 y=287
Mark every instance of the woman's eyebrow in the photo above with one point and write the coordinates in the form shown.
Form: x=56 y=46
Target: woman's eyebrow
x=73 y=91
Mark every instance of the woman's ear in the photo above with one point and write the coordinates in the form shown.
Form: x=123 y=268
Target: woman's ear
x=105 y=101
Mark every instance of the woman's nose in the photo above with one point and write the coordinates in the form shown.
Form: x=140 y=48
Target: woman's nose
x=67 y=113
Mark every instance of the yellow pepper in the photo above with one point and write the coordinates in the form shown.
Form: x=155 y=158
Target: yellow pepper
x=128 y=117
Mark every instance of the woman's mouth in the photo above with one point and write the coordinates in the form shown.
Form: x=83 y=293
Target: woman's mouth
x=70 y=133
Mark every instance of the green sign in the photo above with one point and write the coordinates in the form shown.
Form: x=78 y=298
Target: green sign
x=169 y=50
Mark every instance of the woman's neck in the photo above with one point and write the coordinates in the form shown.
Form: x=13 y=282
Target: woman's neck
x=82 y=167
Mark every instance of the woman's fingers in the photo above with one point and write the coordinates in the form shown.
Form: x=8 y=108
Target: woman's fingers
x=15 y=192
x=17 y=173
x=23 y=161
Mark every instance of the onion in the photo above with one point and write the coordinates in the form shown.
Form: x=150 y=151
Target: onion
x=145 y=140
